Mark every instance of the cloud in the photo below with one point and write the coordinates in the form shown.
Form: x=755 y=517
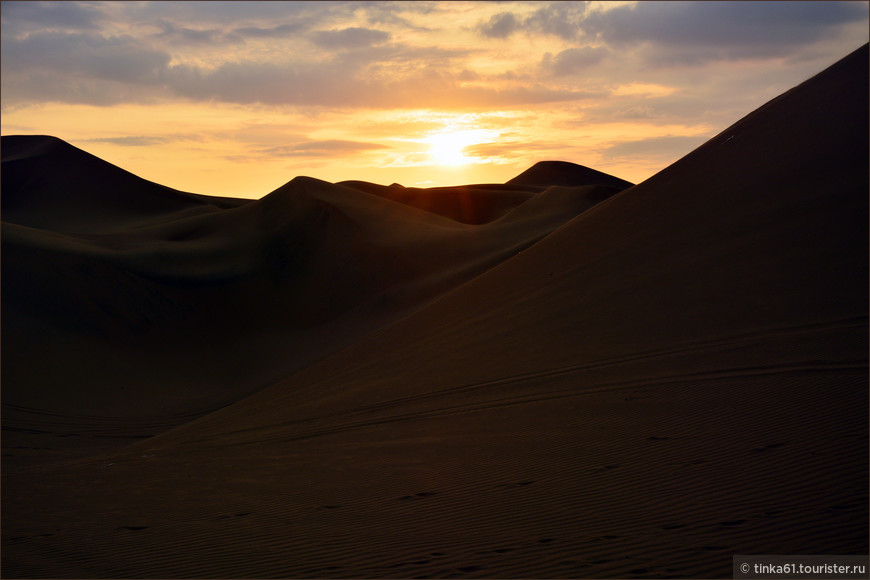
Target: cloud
x=686 y=33
x=144 y=140
x=101 y=70
x=129 y=141
x=573 y=60
x=229 y=14
x=79 y=68
x=316 y=54
x=117 y=58
x=700 y=32
x=500 y=25
x=278 y=31
x=321 y=148
x=638 y=112
x=562 y=19
x=269 y=83
x=51 y=15
x=387 y=14
x=349 y=38
x=186 y=35
x=338 y=83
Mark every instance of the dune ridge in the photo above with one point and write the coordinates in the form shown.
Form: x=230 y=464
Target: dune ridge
x=157 y=316
x=673 y=374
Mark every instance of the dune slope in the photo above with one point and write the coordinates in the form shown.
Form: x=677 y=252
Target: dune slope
x=48 y=183
x=153 y=317
x=676 y=375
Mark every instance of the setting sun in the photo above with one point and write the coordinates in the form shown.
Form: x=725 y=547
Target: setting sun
x=447 y=148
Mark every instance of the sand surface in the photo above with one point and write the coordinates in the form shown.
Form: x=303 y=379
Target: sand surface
x=560 y=376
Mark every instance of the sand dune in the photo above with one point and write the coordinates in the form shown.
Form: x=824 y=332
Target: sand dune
x=51 y=185
x=547 y=173
x=576 y=380
x=157 y=316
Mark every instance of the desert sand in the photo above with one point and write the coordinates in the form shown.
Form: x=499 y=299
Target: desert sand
x=562 y=376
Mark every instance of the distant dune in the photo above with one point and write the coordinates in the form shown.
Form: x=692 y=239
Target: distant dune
x=156 y=306
x=564 y=173
x=560 y=376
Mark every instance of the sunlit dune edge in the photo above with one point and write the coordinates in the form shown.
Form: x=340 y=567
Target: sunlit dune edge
x=565 y=375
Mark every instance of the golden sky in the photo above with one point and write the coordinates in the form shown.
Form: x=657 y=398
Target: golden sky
x=237 y=98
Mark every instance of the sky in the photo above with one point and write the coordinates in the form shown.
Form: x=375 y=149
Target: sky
x=237 y=98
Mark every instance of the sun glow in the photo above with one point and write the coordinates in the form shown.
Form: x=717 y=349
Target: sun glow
x=447 y=147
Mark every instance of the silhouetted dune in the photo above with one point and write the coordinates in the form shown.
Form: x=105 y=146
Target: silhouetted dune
x=48 y=183
x=157 y=320
x=593 y=381
x=546 y=173
x=467 y=204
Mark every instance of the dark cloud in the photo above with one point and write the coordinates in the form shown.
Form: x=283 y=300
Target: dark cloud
x=186 y=35
x=231 y=14
x=699 y=32
x=500 y=25
x=79 y=68
x=51 y=15
x=116 y=58
x=573 y=60
x=562 y=19
x=320 y=148
x=349 y=37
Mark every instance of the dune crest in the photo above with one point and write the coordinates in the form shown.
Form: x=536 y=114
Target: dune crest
x=547 y=173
